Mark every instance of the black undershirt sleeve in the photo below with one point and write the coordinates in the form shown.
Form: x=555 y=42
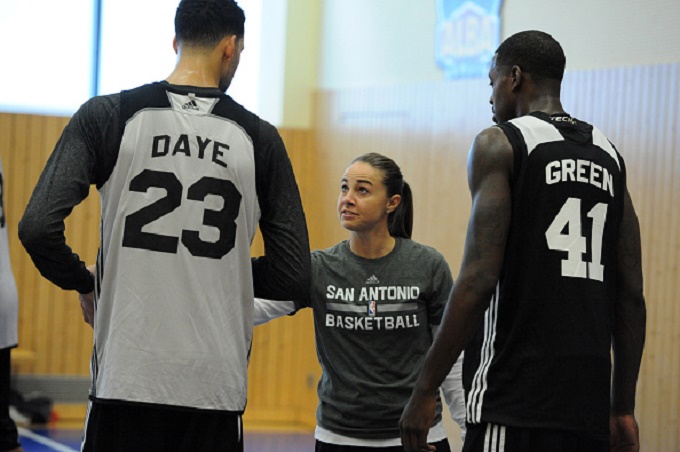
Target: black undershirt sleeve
x=284 y=272
x=63 y=184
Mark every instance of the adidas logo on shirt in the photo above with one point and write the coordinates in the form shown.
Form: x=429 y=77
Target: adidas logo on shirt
x=373 y=280
x=191 y=105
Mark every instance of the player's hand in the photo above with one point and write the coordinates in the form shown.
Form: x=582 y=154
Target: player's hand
x=624 y=434
x=87 y=306
x=87 y=302
x=415 y=422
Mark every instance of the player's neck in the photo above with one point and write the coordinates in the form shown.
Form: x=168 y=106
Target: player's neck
x=548 y=103
x=194 y=72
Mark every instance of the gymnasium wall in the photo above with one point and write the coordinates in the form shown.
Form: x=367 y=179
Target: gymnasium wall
x=378 y=42
x=55 y=344
x=427 y=128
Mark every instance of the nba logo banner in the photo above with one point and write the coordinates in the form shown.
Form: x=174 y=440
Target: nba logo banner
x=372 y=308
x=467 y=35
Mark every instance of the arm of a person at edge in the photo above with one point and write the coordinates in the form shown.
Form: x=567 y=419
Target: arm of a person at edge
x=266 y=310
x=489 y=172
x=452 y=389
x=628 y=336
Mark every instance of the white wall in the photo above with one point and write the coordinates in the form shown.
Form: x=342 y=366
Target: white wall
x=377 y=42
x=288 y=61
x=301 y=62
x=598 y=34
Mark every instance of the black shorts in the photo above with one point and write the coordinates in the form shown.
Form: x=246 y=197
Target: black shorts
x=499 y=438
x=442 y=446
x=132 y=427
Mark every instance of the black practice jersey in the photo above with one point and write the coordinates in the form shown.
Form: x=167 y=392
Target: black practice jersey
x=542 y=357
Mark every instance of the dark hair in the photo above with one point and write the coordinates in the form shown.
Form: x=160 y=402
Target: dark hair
x=206 y=22
x=400 y=221
x=534 y=52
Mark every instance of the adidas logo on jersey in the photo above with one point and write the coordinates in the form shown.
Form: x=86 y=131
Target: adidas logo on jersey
x=373 y=280
x=191 y=105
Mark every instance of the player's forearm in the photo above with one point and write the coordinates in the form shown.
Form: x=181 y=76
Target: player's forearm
x=41 y=231
x=628 y=339
x=630 y=314
x=284 y=273
x=469 y=299
x=52 y=257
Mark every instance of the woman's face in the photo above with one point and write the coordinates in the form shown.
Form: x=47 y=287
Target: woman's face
x=363 y=203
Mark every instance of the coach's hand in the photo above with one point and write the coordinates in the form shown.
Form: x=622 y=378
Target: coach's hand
x=415 y=422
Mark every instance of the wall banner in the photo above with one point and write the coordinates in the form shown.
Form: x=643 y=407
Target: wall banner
x=467 y=35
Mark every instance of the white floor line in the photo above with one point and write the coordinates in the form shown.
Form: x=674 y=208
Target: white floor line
x=44 y=441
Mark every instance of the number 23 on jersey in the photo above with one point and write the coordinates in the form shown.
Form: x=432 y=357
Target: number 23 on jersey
x=224 y=220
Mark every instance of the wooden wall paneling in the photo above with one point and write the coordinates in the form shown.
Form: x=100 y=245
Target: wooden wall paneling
x=644 y=141
x=637 y=108
x=428 y=129
x=662 y=97
x=283 y=354
x=658 y=240
x=26 y=279
x=33 y=285
x=46 y=317
x=13 y=197
x=50 y=319
x=50 y=307
x=301 y=360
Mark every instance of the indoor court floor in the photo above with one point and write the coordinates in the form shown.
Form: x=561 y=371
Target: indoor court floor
x=68 y=440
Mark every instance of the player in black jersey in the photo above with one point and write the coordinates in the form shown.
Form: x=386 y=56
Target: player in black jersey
x=185 y=175
x=551 y=279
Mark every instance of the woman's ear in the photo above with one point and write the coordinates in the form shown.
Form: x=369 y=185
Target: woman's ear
x=393 y=203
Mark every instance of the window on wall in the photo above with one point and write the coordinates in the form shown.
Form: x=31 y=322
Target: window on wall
x=47 y=55
x=74 y=49
x=135 y=45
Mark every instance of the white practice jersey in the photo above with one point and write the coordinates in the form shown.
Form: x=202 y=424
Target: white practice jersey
x=185 y=176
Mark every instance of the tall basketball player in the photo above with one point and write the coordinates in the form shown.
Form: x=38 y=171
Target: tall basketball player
x=551 y=279
x=185 y=175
